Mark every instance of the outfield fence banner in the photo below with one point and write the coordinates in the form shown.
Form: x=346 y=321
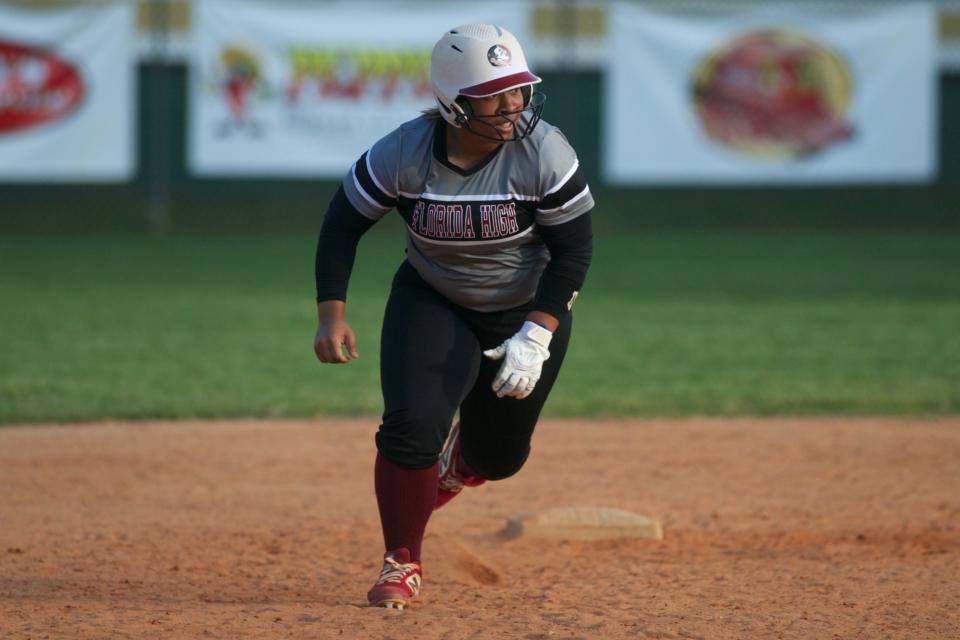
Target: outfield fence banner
x=290 y=89
x=781 y=93
x=67 y=93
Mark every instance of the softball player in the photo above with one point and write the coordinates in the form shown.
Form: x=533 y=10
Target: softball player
x=499 y=240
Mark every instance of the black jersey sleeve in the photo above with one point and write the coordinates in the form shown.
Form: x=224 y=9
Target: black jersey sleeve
x=571 y=250
x=340 y=233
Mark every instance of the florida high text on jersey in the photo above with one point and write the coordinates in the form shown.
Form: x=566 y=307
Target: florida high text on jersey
x=472 y=234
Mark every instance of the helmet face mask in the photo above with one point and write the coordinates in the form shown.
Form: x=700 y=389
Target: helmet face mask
x=479 y=61
x=485 y=125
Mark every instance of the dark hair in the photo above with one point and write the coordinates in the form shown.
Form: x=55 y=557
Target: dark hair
x=432 y=112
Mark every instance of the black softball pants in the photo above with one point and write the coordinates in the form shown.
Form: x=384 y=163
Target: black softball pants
x=431 y=365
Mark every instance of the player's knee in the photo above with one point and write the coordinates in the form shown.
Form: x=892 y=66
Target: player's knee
x=496 y=463
x=411 y=439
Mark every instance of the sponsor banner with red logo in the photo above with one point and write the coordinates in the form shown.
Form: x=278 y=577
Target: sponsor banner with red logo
x=67 y=93
x=780 y=93
x=285 y=88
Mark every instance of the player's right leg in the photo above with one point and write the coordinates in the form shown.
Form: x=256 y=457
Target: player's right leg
x=429 y=358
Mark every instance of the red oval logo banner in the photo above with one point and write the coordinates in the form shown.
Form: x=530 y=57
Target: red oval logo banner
x=774 y=94
x=36 y=87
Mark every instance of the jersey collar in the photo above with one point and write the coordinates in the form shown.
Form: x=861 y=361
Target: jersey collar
x=440 y=151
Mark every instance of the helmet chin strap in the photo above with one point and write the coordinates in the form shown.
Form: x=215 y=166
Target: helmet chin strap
x=496 y=136
x=521 y=128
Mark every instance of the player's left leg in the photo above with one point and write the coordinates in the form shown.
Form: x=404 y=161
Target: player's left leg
x=495 y=433
x=454 y=474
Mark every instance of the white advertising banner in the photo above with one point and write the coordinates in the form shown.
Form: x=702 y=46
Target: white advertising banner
x=289 y=89
x=67 y=90
x=774 y=93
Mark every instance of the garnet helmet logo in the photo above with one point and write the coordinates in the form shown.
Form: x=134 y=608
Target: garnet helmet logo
x=773 y=95
x=498 y=55
x=36 y=87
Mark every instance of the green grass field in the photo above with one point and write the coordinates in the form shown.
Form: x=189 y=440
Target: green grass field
x=670 y=323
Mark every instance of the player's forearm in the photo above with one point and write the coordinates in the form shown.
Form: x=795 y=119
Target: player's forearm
x=337 y=243
x=571 y=251
x=331 y=310
x=544 y=319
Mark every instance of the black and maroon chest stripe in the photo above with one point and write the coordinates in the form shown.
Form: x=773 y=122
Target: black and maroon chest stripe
x=466 y=220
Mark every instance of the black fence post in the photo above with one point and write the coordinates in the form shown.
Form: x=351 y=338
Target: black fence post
x=159 y=127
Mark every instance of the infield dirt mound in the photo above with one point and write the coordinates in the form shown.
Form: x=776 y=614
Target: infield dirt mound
x=785 y=528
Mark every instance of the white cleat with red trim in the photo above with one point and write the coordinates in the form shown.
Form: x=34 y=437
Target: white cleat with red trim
x=399 y=581
x=452 y=478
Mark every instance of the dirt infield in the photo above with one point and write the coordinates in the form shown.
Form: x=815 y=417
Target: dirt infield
x=782 y=528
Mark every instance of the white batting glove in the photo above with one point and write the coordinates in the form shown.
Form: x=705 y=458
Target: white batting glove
x=523 y=357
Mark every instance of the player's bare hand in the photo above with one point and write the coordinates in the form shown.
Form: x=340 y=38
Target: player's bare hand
x=335 y=342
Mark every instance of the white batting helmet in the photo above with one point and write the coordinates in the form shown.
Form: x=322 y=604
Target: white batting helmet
x=479 y=60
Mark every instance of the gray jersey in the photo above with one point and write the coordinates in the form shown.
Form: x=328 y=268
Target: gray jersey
x=472 y=235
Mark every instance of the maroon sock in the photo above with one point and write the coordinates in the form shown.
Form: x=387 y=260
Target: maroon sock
x=406 y=498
